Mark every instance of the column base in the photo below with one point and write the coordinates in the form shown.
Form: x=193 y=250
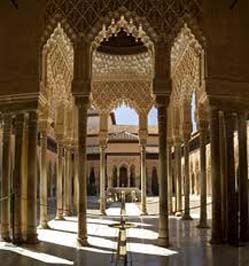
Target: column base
x=83 y=242
x=59 y=218
x=203 y=225
x=187 y=217
x=217 y=241
x=44 y=226
x=6 y=238
x=178 y=214
x=32 y=239
x=144 y=213
x=163 y=242
x=18 y=240
x=67 y=213
x=103 y=213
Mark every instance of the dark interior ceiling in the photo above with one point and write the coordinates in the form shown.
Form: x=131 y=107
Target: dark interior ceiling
x=122 y=44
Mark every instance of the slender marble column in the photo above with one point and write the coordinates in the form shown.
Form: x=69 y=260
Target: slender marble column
x=186 y=215
x=5 y=188
x=32 y=179
x=43 y=181
x=243 y=177
x=223 y=175
x=170 y=178
x=163 y=181
x=178 y=176
x=59 y=183
x=76 y=179
x=143 y=178
x=67 y=183
x=102 y=178
x=232 y=201
x=203 y=210
x=118 y=177
x=216 y=182
x=17 y=179
x=82 y=104
x=129 y=177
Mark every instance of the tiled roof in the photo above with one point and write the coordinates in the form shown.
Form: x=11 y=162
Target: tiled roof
x=122 y=136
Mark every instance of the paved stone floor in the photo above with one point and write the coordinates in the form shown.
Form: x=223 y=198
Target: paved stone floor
x=189 y=245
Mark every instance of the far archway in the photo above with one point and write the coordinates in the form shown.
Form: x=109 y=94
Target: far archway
x=123 y=175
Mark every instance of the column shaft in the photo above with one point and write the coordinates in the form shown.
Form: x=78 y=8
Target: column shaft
x=32 y=179
x=67 y=183
x=178 y=168
x=243 y=178
x=102 y=179
x=17 y=179
x=216 y=182
x=203 y=209
x=143 y=179
x=169 y=157
x=59 y=183
x=163 y=181
x=43 y=181
x=232 y=201
x=76 y=179
x=82 y=201
x=186 y=215
x=5 y=188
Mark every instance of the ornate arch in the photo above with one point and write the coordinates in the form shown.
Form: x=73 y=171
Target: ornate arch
x=51 y=25
x=133 y=24
x=194 y=27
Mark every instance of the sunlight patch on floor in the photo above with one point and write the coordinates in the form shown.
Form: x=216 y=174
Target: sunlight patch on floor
x=43 y=257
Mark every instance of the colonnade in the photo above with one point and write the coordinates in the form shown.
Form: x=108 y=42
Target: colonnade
x=19 y=188
x=229 y=191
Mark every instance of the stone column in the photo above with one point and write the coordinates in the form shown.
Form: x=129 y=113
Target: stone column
x=32 y=179
x=102 y=178
x=59 y=183
x=67 y=182
x=129 y=176
x=186 y=215
x=17 y=179
x=170 y=193
x=103 y=134
x=178 y=176
x=232 y=201
x=118 y=177
x=143 y=134
x=43 y=181
x=216 y=182
x=203 y=210
x=163 y=181
x=5 y=188
x=143 y=178
x=243 y=177
x=82 y=104
x=76 y=179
